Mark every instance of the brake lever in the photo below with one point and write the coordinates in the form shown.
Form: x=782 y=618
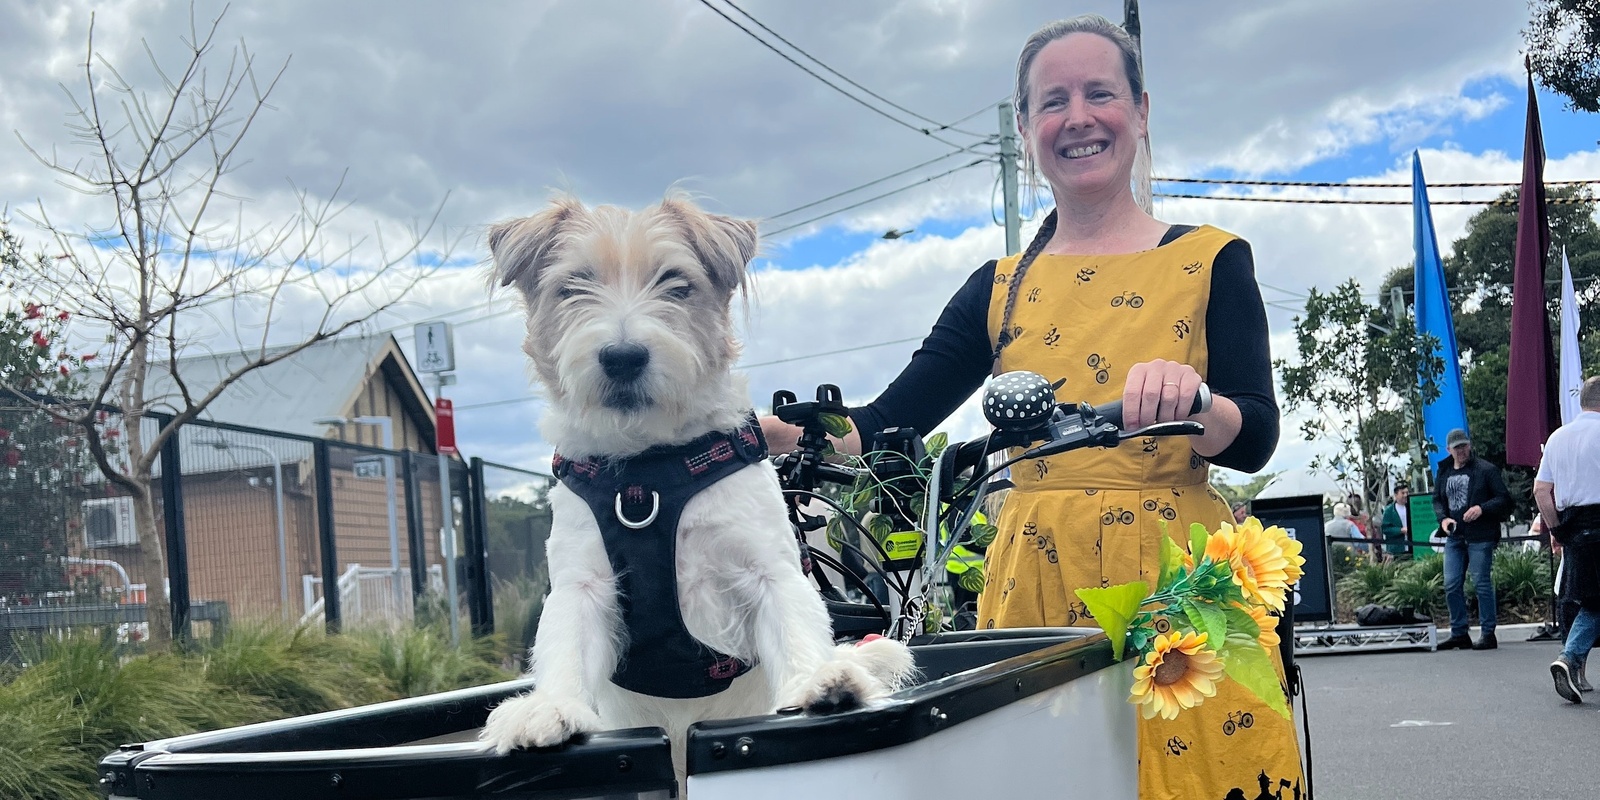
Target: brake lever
x=1187 y=427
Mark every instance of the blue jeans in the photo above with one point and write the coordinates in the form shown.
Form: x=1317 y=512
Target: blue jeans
x=1585 y=629
x=1459 y=556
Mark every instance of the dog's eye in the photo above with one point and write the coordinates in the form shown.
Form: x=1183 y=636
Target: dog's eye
x=576 y=285
x=677 y=285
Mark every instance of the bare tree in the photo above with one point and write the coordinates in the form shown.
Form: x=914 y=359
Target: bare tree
x=179 y=257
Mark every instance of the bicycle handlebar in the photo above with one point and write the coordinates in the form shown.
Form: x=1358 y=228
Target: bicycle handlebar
x=1113 y=410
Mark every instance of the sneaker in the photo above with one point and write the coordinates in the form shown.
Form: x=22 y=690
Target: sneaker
x=1561 y=670
x=1486 y=642
x=1581 y=680
x=1462 y=642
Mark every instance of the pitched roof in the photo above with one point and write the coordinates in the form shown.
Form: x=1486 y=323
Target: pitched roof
x=319 y=381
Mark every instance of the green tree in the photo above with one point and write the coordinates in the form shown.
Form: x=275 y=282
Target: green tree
x=1359 y=373
x=1236 y=493
x=43 y=463
x=1563 y=38
x=1479 y=273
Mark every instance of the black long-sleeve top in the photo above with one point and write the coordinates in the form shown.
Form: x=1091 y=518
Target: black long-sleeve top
x=957 y=356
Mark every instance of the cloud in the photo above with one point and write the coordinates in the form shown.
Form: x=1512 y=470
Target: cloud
x=492 y=103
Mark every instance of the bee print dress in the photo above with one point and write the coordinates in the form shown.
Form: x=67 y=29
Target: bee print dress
x=1095 y=517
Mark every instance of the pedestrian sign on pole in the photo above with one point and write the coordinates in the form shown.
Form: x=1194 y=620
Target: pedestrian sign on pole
x=436 y=351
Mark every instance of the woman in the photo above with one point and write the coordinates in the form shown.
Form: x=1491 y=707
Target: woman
x=1104 y=297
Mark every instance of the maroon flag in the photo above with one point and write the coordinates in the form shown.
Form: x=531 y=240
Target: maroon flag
x=1531 y=400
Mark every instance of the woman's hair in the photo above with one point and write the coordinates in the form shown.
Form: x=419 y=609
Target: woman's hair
x=1099 y=26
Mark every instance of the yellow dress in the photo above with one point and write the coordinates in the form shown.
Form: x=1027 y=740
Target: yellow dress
x=1093 y=517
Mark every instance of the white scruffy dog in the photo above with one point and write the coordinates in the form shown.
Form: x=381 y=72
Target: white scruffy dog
x=656 y=287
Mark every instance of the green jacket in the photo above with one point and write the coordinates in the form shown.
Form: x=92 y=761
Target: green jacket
x=1393 y=530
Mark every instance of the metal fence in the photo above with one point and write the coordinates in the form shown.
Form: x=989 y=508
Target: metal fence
x=257 y=525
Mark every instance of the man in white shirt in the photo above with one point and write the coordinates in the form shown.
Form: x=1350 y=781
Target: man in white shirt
x=1567 y=491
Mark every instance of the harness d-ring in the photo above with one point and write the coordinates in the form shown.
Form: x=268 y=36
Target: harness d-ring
x=655 y=508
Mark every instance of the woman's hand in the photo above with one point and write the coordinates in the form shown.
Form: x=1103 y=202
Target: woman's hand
x=784 y=438
x=1158 y=391
x=1164 y=391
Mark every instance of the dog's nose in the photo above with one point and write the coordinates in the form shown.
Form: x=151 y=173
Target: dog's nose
x=624 y=362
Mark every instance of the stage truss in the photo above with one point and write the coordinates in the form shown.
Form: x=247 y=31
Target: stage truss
x=1350 y=639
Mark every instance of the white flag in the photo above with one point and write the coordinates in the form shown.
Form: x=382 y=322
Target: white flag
x=1571 y=370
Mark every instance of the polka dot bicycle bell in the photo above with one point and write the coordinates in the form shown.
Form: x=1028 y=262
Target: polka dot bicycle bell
x=1018 y=401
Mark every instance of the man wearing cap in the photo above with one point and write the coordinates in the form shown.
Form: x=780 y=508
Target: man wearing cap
x=1471 y=500
x=1567 y=491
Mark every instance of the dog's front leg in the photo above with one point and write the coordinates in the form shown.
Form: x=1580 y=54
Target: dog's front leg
x=574 y=649
x=795 y=641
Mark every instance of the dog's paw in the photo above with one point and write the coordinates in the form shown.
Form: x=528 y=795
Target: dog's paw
x=536 y=720
x=889 y=662
x=837 y=686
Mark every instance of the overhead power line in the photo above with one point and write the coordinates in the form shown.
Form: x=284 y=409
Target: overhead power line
x=1331 y=201
x=841 y=76
x=1336 y=185
x=869 y=106
x=858 y=188
x=877 y=197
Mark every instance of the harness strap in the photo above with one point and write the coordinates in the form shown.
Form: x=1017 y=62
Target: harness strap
x=637 y=503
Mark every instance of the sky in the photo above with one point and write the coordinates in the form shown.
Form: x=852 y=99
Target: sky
x=480 y=111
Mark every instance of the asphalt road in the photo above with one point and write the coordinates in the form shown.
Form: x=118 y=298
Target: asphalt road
x=1456 y=724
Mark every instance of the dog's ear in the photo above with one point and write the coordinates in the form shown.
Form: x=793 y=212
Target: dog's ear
x=522 y=247
x=724 y=245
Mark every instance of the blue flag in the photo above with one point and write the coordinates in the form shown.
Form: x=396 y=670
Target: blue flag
x=1449 y=409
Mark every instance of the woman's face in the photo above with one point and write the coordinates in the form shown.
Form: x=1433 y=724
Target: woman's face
x=1084 y=123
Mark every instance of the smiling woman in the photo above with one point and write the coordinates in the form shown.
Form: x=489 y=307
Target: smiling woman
x=1114 y=304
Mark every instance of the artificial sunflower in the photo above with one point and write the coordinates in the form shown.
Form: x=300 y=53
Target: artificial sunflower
x=1260 y=566
x=1291 y=548
x=1266 y=622
x=1179 y=672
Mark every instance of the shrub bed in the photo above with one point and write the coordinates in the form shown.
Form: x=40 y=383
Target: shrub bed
x=73 y=700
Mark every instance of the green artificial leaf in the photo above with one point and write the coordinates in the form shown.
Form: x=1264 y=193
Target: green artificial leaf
x=835 y=424
x=982 y=533
x=836 y=534
x=972 y=579
x=936 y=444
x=1240 y=623
x=934 y=619
x=1244 y=660
x=1171 y=561
x=1113 y=608
x=1139 y=638
x=1207 y=619
x=880 y=527
x=1197 y=541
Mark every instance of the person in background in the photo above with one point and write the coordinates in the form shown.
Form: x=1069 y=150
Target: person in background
x=1241 y=512
x=1470 y=497
x=1358 y=515
x=1396 y=524
x=1343 y=526
x=1567 y=491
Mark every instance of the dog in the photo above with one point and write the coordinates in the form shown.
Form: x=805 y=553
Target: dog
x=630 y=332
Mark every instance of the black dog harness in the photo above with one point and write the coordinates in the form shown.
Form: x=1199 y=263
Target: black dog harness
x=637 y=502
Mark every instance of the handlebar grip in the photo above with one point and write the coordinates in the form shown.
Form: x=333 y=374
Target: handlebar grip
x=1112 y=411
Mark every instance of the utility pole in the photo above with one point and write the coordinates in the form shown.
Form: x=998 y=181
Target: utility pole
x=1130 y=23
x=1008 y=176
